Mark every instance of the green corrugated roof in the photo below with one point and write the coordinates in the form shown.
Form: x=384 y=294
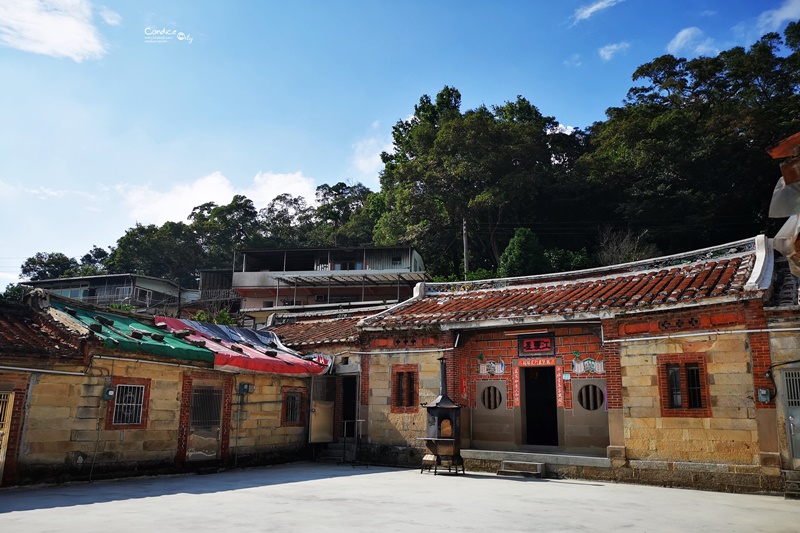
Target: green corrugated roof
x=118 y=335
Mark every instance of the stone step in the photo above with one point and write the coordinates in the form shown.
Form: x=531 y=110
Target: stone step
x=518 y=473
x=524 y=466
x=791 y=475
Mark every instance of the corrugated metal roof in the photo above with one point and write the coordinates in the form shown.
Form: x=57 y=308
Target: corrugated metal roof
x=117 y=332
x=244 y=349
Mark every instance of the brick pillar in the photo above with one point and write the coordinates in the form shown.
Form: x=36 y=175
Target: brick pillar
x=616 y=415
x=761 y=359
x=760 y=355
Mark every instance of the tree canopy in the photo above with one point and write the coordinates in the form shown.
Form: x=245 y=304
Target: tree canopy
x=681 y=164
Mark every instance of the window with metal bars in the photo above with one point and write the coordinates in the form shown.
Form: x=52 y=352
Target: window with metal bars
x=491 y=397
x=591 y=397
x=405 y=388
x=693 y=386
x=674 y=373
x=293 y=407
x=683 y=385
x=792 y=382
x=206 y=407
x=129 y=400
x=404 y=381
x=293 y=411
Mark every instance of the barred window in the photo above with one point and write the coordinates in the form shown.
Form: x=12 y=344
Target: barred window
x=128 y=403
x=293 y=411
x=405 y=388
x=293 y=406
x=128 y=408
x=683 y=384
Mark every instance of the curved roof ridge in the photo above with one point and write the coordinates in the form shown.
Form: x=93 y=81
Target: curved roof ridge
x=645 y=266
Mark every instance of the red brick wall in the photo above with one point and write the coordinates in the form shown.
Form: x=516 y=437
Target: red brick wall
x=497 y=346
x=19 y=382
x=611 y=355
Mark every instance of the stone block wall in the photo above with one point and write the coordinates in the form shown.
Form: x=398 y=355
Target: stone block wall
x=728 y=435
x=258 y=434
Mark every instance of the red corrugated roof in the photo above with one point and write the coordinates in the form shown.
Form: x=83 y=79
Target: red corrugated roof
x=656 y=284
x=251 y=358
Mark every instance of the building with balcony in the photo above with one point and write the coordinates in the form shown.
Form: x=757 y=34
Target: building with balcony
x=325 y=278
x=144 y=294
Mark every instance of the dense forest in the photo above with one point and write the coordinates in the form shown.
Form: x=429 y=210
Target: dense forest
x=680 y=165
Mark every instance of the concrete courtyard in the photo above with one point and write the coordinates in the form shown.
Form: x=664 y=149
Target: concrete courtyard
x=321 y=497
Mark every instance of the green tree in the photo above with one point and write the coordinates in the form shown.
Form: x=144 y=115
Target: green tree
x=523 y=256
x=92 y=263
x=336 y=206
x=170 y=252
x=15 y=292
x=484 y=168
x=287 y=220
x=684 y=159
x=44 y=265
x=221 y=229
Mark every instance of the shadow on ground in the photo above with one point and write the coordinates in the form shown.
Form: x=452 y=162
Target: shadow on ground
x=84 y=493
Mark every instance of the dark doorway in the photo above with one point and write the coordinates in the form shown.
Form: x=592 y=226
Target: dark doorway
x=350 y=404
x=541 y=416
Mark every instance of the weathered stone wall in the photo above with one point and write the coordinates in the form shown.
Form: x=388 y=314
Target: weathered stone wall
x=258 y=434
x=387 y=429
x=729 y=435
x=66 y=432
x=66 y=428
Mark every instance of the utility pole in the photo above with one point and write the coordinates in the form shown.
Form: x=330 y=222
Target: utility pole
x=466 y=260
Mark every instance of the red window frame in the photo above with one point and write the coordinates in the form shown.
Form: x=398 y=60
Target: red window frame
x=119 y=380
x=405 y=389
x=285 y=392
x=683 y=362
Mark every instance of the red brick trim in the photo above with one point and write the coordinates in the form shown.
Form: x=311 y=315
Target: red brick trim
x=760 y=352
x=285 y=391
x=226 y=381
x=409 y=403
x=19 y=386
x=121 y=380
x=682 y=359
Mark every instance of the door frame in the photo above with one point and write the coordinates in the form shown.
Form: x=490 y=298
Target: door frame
x=6 y=413
x=205 y=379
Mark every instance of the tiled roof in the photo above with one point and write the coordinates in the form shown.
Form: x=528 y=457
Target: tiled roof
x=25 y=333
x=660 y=283
x=316 y=332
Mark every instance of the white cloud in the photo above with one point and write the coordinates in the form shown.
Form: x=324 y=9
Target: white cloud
x=47 y=193
x=58 y=28
x=692 y=41
x=365 y=163
x=147 y=205
x=268 y=185
x=708 y=13
x=111 y=18
x=573 y=61
x=773 y=19
x=610 y=50
x=585 y=12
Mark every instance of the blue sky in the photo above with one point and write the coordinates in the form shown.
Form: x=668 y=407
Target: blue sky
x=122 y=112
